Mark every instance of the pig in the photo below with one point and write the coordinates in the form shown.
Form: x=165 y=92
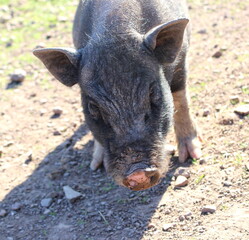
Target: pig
x=129 y=61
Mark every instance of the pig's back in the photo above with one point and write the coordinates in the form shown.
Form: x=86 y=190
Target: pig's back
x=96 y=17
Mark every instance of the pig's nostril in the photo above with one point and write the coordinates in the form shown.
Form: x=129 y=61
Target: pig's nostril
x=154 y=179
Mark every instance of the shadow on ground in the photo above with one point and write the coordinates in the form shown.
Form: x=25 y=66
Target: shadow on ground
x=105 y=211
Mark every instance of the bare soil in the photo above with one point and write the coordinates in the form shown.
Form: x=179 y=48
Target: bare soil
x=40 y=153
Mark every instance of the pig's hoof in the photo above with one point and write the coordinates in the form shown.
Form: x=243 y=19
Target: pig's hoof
x=95 y=164
x=189 y=147
x=98 y=156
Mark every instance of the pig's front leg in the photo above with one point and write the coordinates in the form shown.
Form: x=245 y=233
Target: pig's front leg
x=98 y=155
x=189 y=142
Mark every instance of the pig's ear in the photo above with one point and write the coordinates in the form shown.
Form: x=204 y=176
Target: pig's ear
x=61 y=62
x=166 y=39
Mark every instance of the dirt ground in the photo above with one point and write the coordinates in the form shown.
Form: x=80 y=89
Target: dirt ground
x=40 y=153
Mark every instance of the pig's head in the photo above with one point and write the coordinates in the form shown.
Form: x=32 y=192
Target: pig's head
x=126 y=99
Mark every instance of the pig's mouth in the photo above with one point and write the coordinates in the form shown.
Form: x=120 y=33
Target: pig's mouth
x=141 y=176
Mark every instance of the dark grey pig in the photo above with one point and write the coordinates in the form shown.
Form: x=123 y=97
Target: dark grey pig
x=130 y=63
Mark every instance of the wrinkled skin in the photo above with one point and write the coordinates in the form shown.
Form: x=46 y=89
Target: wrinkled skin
x=130 y=57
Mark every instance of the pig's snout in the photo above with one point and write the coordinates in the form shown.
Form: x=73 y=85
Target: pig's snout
x=141 y=178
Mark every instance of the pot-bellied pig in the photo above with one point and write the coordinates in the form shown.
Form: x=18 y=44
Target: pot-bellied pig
x=130 y=63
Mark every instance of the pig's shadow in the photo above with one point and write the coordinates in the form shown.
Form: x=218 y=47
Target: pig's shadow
x=13 y=85
x=105 y=211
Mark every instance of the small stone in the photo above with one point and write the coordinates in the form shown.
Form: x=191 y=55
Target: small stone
x=188 y=215
x=206 y=112
x=181 y=218
x=227 y=184
x=57 y=174
x=40 y=45
x=57 y=110
x=151 y=225
x=62 y=19
x=181 y=181
x=16 y=206
x=167 y=227
x=3 y=213
x=234 y=100
x=227 y=121
x=42 y=112
x=46 y=202
x=202 y=161
x=9 y=43
x=242 y=110
x=247 y=166
x=71 y=194
x=182 y=172
x=43 y=101
x=208 y=209
x=202 y=31
x=47 y=211
x=109 y=213
x=8 y=144
x=56 y=133
x=18 y=76
x=218 y=54
x=4 y=19
x=222 y=167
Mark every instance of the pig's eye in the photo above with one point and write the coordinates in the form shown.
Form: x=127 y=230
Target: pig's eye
x=93 y=110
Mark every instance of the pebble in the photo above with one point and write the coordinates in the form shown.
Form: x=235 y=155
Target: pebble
x=202 y=161
x=4 y=19
x=227 y=121
x=8 y=144
x=181 y=218
x=71 y=194
x=16 y=206
x=47 y=211
x=168 y=226
x=46 y=202
x=57 y=174
x=3 y=213
x=208 y=209
x=182 y=172
x=202 y=31
x=42 y=112
x=40 y=45
x=247 y=166
x=57 y=110
x=181 y=181
x=218 y=54
x=206 y=112
x=227 y=184
x=56 y=133
x=242 y=110
x=234 y=100
x=18 y=76
x=188 y=215
x=151 y=225
x=43 y=101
